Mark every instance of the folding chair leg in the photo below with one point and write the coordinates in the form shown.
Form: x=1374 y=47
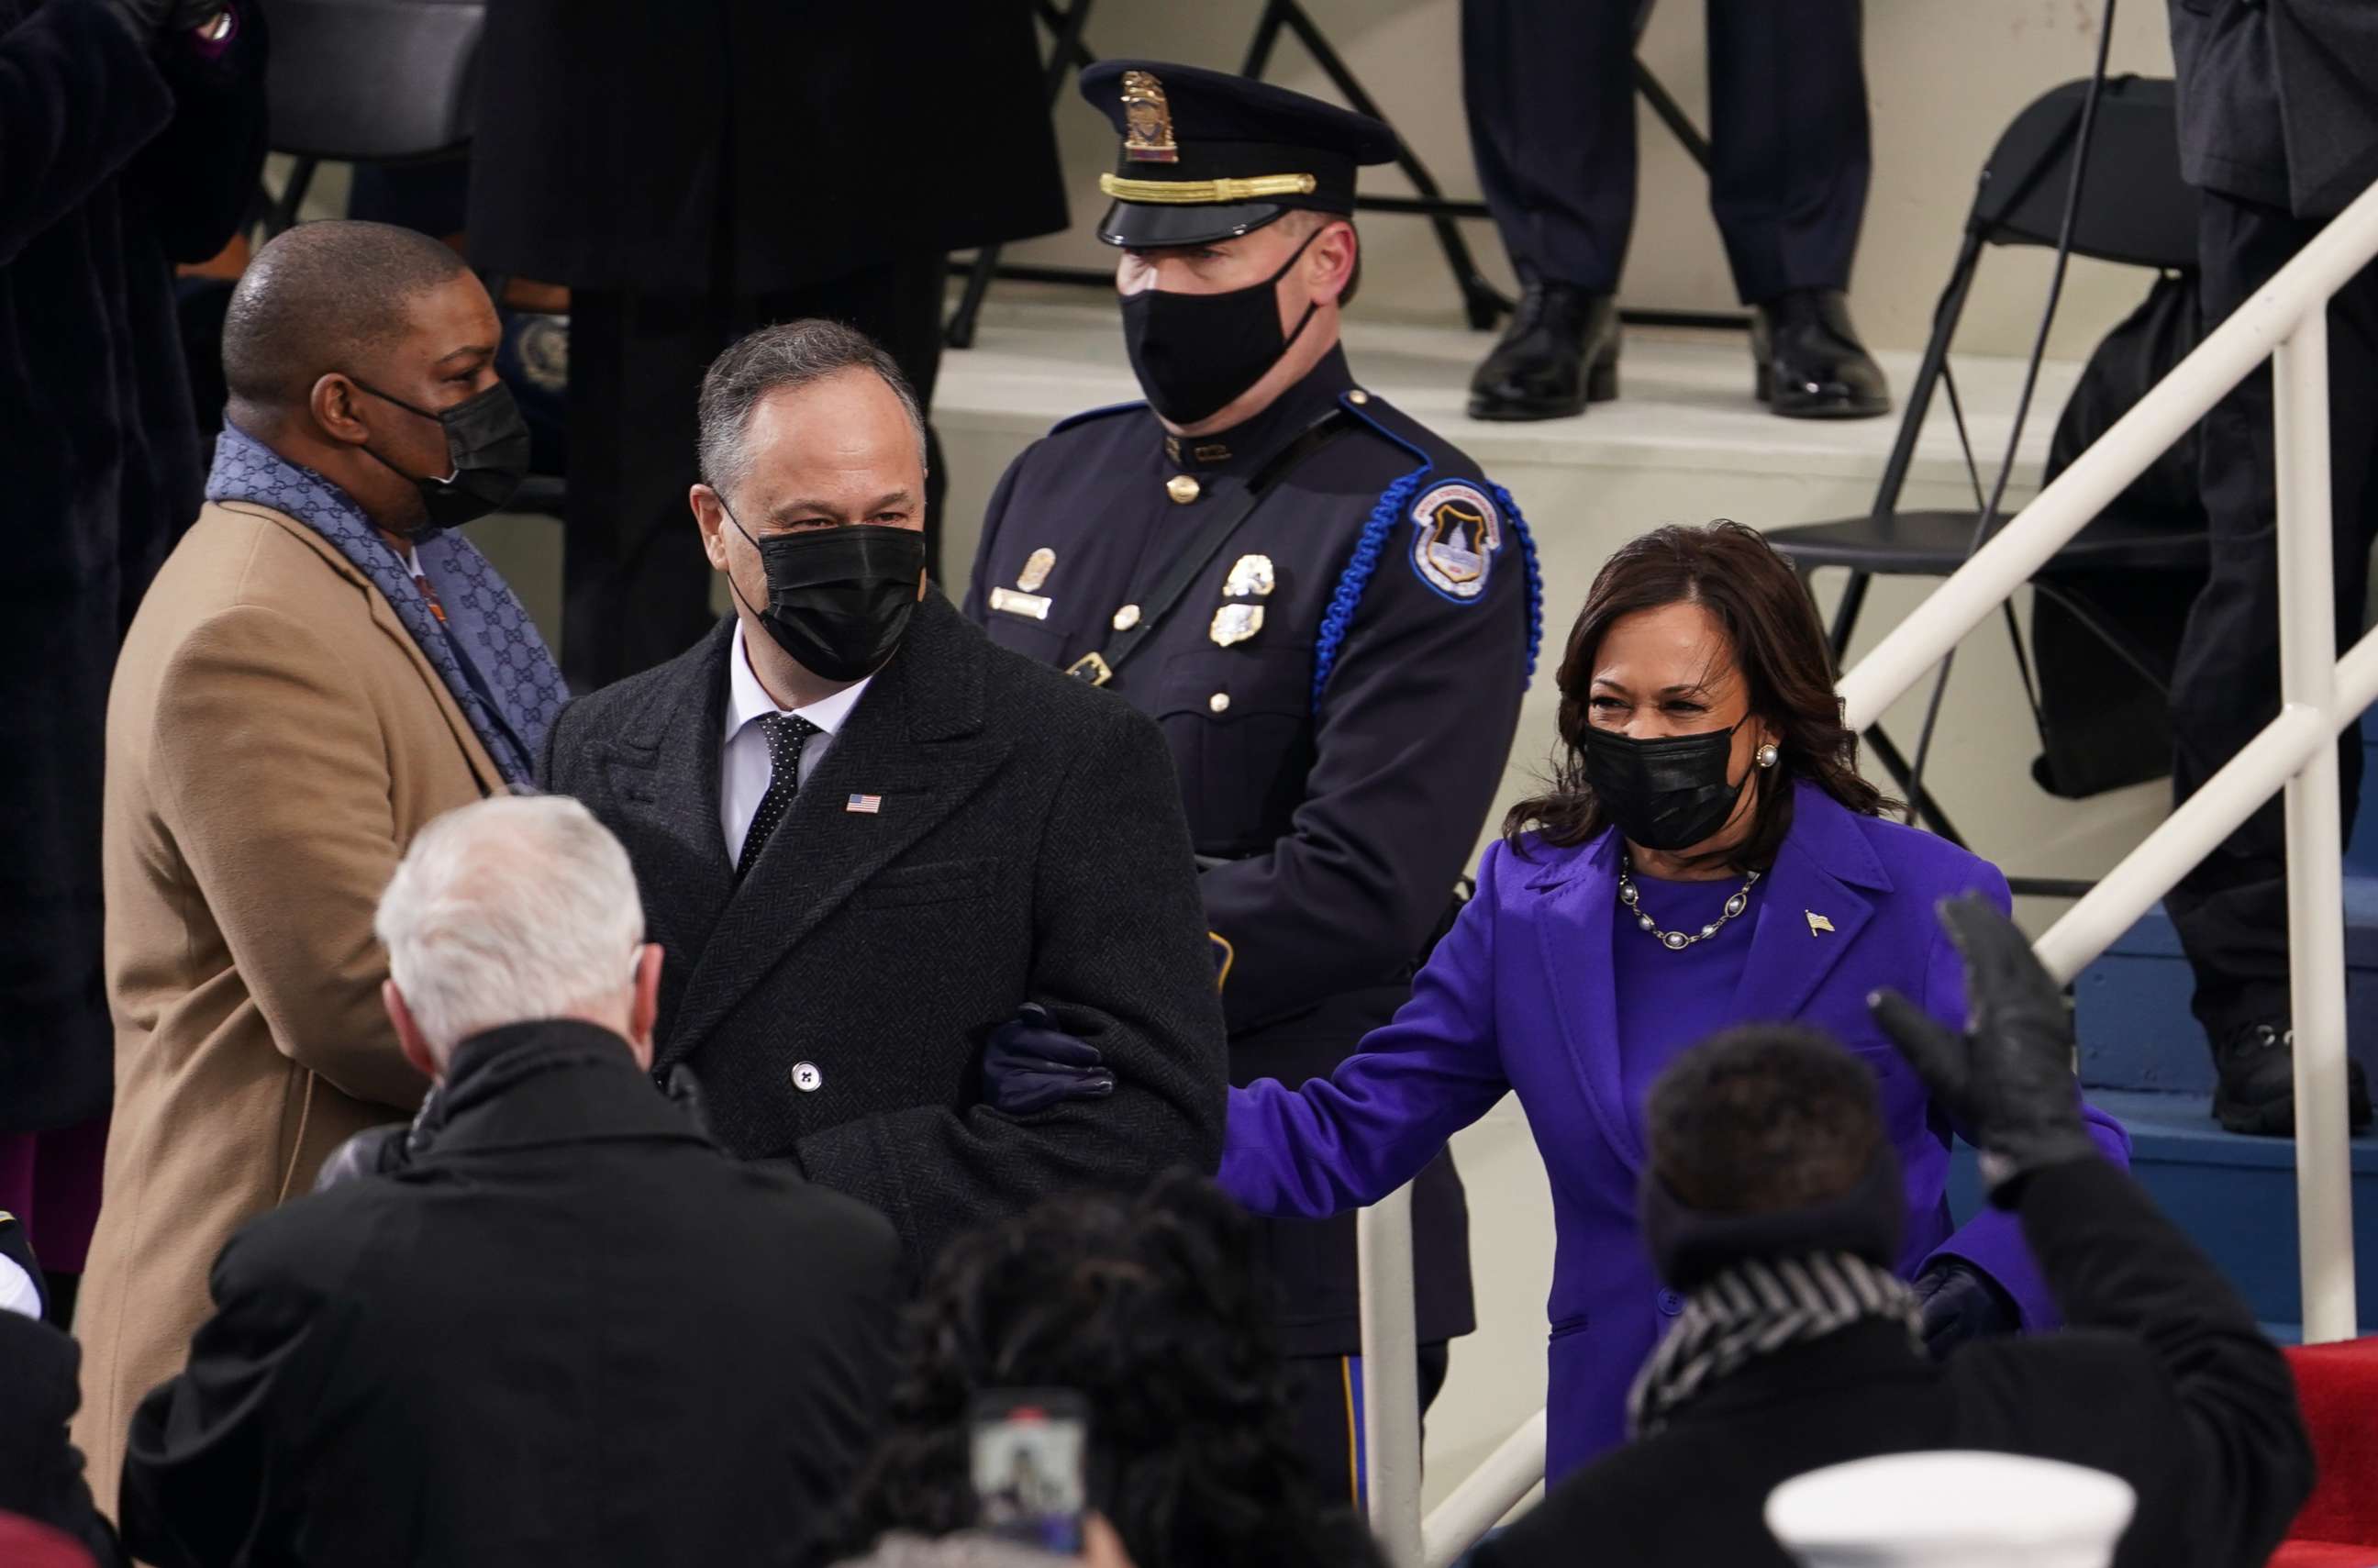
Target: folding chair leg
x=1482 y=302
x=1894 y=762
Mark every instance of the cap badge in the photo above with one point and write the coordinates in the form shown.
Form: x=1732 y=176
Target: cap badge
x=1036 y=567
x=1147 y=121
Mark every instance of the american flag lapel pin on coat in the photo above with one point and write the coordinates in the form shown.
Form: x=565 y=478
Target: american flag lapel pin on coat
x=865 y=806
x=1816 y=922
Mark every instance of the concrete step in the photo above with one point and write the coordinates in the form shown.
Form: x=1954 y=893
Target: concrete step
x=2236 y=1196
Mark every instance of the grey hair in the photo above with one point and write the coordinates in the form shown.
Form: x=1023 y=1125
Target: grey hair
x=785 y=357
x=509 y=911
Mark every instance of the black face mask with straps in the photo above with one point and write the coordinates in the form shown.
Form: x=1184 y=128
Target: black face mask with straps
x=1194 y=353
x=486 y=447
x=1666 y=793
x=839 y=599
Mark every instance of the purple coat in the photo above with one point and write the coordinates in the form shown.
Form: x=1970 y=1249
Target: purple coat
x=1517 y=997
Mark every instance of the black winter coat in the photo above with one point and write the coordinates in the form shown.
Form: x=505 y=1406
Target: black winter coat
x=755 y=145
x=1026 y=844
x=2161 y=1378
x=41 y=1470
x=116 y=161
x=572 y=1331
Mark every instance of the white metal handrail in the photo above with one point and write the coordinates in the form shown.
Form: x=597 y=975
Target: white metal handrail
x=2287 y=321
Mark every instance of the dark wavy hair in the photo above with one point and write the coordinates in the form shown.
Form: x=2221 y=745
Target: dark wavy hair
x=1759 y=601
x=1147 y=1307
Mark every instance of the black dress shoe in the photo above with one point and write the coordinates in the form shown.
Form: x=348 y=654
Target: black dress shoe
x=1559 y=354
x=1808 y=362
x=2257 y=1090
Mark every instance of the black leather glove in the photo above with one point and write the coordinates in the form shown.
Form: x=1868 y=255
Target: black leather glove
x=1029 y=1064
x=1962 y=1303
x=2008 y=1082
x=376 y=1151
x=685 y=1090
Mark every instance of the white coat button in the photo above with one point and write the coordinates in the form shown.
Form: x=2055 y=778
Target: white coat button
x=1219 y=702
x=1127 y=617
x=807 y=1079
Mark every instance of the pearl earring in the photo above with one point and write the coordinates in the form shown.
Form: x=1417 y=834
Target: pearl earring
x=1767 y=754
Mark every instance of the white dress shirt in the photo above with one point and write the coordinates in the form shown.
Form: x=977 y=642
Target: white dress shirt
x=743 y=765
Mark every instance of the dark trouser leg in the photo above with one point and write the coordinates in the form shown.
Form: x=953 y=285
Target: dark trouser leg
x=1325 y=1395
x=898 y=304
x=635 y=583
x=1788 y=142
x=1549 y=89
x=2232 y=912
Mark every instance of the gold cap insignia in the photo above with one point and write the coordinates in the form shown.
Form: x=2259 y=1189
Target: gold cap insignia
x=1036 y=567
x=1147 y=121
x=1235 y=623
x=1250 y=578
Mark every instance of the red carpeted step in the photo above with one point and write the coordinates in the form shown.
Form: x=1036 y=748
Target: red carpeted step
x=2339 y=1387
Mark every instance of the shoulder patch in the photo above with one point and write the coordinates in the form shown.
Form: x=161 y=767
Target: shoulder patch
x=1457 y=533
x=1086 y=416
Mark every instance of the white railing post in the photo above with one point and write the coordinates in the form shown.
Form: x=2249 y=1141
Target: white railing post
x=1382 y=1247
x=2315 y=850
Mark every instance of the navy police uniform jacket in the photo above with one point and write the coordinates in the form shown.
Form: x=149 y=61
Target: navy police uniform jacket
x=1339 y=686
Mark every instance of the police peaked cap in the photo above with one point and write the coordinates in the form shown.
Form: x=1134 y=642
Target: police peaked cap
x=1210 y=156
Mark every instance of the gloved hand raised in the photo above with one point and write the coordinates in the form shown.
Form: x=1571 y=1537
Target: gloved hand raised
x=1029 y=1064
x=2008 y=1080
x=1960 y=1303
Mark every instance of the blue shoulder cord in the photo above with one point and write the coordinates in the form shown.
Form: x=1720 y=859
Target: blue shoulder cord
x=1365 y=560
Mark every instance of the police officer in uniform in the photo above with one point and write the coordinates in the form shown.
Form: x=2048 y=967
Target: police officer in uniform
x=1331 y=611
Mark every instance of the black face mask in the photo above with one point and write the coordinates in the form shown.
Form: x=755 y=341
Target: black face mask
x=1668 y=793
x=838 y=598
x=1194 y=353
x=486 y=442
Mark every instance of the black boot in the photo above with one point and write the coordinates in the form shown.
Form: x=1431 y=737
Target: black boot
x=1808 y=362
x=2257 y=1090
x=1559 y=354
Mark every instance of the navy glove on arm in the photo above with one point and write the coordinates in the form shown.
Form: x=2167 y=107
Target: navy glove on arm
x=1960 y=1303
x=1029 y=1064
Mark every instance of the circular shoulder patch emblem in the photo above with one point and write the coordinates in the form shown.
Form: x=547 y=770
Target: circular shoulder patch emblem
x=1455 y=533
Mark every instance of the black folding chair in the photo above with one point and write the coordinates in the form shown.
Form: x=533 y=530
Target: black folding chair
x=368 y=81
x=2134 y=209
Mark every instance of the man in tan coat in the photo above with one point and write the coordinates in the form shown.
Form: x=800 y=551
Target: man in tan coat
x=319 y=670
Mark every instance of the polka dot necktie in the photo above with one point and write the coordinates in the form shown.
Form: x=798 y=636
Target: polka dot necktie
x=786 y=734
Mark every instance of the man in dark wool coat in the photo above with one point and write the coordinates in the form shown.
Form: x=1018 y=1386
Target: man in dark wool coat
x=1774 y=1203
x=131 y=132
x=875 y=847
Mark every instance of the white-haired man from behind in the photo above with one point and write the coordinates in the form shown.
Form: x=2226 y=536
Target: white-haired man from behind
x=562 y=1324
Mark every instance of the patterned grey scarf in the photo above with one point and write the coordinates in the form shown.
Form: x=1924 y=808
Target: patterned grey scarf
x=485 y=648
x=1756 y=1307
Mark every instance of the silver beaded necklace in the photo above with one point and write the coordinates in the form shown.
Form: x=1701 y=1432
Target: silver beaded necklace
x=1677 y=941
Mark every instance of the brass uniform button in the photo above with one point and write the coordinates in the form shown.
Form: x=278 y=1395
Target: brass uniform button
x=1182 y=487
x=1219 y=702
x=1127 y=617
x=1358 y=397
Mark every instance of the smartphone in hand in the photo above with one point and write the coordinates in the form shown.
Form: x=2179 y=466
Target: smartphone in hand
x=1027 y=1449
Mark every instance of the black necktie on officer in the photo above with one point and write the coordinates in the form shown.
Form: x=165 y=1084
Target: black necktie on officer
x=786 y=733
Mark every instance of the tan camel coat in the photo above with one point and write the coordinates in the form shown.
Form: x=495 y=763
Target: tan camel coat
x=274 y=739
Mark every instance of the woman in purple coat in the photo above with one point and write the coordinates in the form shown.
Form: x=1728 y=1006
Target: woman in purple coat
x=1708 y=856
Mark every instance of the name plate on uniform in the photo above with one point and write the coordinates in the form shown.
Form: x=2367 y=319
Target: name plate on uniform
x=1013 y=601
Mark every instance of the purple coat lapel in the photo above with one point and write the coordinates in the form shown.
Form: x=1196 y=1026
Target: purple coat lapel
x=1575 y=937
x=1809 y=909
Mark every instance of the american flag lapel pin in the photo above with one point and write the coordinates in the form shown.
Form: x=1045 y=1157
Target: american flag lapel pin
x=1816 y=922
x=864 y=806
